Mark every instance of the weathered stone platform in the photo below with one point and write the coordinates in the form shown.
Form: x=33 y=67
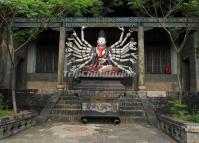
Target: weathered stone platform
x=93 y=133
x=69 y=106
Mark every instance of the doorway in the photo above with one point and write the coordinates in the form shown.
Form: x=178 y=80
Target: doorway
x=186 y=74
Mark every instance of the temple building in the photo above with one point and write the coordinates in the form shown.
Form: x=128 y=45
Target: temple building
x=45 y=64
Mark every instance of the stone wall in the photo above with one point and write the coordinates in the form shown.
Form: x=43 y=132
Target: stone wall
x=181 y=131
x=27 y=100
x=161 y=82
x=14 y=124
x=159 y=104
x=32 y=102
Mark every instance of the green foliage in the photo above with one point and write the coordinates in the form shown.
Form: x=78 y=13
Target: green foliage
x=23 y=34
x=190 y=8
x=2 y=105
x=76 y=7
x=178 y=109
x=183 y=7
x=6 y=113
x=137 y=4
x=49 y=8
x=3 y=108
x=195 y=117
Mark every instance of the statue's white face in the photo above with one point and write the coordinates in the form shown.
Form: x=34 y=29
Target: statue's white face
x=101 y=41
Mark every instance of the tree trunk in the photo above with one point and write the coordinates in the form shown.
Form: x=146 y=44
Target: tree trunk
x=13 y=81
x=179 y=75
x=13 y=85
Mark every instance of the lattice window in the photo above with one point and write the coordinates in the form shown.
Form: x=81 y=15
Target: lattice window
x=157 y=59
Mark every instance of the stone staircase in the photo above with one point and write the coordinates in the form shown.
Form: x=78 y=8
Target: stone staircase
x=68 y=107
x=131 y=108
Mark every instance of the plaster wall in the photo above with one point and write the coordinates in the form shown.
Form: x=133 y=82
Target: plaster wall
x=41 y=81
x=161 y=82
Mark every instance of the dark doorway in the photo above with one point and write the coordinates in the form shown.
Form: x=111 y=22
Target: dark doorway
x=186 y=74
x=21 y=74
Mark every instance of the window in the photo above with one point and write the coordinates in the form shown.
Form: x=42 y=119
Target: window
x=47 y=52
x=157 y=59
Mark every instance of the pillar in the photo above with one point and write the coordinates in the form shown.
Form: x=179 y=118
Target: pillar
x=141 y=68
x=60 y=78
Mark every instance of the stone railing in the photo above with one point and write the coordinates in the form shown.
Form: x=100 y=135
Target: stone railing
x=14 y=124
x=182 y=131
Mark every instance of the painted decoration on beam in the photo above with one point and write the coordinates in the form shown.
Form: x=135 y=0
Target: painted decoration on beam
x=101 y=59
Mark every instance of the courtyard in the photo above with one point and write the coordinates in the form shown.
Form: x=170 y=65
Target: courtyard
x=59 y=132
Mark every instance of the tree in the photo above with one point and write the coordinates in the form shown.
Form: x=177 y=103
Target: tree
x=170 y=8
x=47 y=9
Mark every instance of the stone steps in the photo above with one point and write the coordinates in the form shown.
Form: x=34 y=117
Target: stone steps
x=132 y=119
x=124 y=104
x=69 y=97
x=65 y=118
x=136 y=113
x=130 y=108
x=71 y=102
x=68 y=108
x=66 y=111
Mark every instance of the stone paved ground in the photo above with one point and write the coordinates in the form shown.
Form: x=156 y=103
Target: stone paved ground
x=90 y=133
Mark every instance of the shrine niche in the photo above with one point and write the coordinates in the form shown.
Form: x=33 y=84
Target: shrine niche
x=85 y=59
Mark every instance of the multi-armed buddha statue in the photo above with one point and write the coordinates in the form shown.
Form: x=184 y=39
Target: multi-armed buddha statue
x=99 y=59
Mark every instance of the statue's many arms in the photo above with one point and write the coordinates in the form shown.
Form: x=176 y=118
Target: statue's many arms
x=101 y=58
